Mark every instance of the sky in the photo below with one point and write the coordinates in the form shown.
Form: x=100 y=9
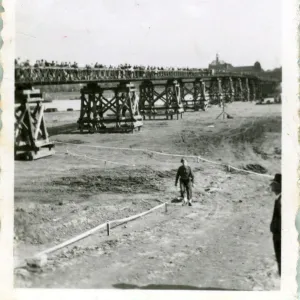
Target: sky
x=175 y=33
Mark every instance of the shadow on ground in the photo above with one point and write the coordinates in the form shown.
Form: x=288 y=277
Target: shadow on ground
x=72 y=128
x=64 y=129
x=176 y=200
x=166 y=287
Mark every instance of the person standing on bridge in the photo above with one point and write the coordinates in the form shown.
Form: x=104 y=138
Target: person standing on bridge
x=186 y=181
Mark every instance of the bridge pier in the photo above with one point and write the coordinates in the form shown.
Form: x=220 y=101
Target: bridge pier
x=247 y=90
x=196 y=91
x=188 y=89
x=220 y=91
x=166 y=101
x=232 y=92
x=252 y=90
x=238 y=90
x=259 y=91
x=103 y=106
x=213 y=88
x=31 y=135
x=199 y=94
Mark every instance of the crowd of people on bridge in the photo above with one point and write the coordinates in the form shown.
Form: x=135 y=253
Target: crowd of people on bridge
x=55 y=64
x=74 y=71
x=68 y=71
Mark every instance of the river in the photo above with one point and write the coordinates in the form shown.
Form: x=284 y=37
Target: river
x=63 y=105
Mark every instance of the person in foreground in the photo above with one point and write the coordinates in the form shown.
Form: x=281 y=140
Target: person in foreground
x=186 y=182
x=276 y=219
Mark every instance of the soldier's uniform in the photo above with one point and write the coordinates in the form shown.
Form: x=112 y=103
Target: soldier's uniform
x=186 y=176
x=275 y=226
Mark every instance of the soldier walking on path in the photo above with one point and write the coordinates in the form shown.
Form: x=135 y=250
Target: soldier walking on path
x=276 y=219
x=186 y=181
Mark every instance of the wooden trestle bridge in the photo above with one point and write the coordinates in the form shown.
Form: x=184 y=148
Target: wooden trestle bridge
x=119 y=100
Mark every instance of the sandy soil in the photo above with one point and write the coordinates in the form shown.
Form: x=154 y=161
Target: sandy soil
x=221 y=242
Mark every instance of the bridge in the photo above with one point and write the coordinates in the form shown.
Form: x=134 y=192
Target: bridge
x=26 y=76
x=131 y=96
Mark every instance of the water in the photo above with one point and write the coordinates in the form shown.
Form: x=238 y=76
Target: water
x=63 y=105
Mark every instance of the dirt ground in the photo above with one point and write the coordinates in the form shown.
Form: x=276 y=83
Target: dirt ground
x=222 y=242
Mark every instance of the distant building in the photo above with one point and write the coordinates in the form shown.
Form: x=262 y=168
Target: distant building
x=256 y=68
x=219 y=65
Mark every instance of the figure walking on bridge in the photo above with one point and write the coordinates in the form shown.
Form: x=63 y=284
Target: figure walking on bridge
x=186 y=182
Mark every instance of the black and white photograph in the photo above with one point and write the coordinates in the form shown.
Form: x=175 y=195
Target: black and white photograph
x=148 y=145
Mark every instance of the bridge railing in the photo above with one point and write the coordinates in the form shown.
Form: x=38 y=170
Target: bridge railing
x=55 y=74
x=44 y=75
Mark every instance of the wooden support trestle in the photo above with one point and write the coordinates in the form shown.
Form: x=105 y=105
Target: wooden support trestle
x=31 y=136
x=161 y=99
x=194 y=95
x=109 y=109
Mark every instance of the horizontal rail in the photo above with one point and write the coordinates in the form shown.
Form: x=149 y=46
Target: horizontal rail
x=95 y=229
x=72 y=240
x=89 y=232
x=137 y=215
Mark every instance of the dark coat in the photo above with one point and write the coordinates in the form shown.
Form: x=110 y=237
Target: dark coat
x=276 y=219
x=185 y=173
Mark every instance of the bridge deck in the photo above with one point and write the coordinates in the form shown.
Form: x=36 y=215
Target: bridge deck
x=56 y=76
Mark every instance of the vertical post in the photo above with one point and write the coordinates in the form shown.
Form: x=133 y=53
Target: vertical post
x=177 y=95
x=253 y=90
x=231 y=90
x=147 y=102
x=143 y=98
x=108 y=227
x=195 y=93
x=220 y=92
x=167 y=92
x=82 y=109
x=166 y=207
x=117 y=97
x=179 y=87
x=101 y=106
x=203 y=94
x=150 y=97
x=89 y=107
x=240 y=89
x=247 y=89
x=30 y=125
x=131 y=97
x=183 y=93
x=93 y=112
x=259 y=89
